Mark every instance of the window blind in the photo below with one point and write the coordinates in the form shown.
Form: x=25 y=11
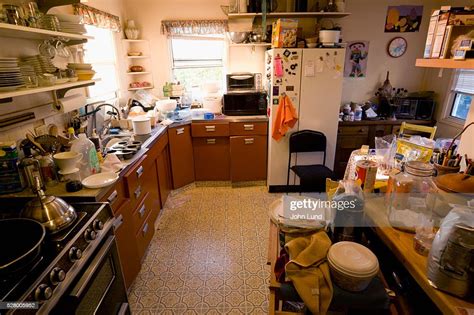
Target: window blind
x=465 y=81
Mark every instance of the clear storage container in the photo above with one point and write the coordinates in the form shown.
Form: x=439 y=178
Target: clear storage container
x=412 y=196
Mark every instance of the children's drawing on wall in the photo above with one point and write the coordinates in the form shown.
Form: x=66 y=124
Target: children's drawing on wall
x=403 y=18
x=356 y=59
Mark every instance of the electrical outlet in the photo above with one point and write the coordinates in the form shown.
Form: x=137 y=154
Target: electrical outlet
x=41 y=130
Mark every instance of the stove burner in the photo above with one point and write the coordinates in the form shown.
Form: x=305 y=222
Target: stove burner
x=62 y=235
x=15 y=278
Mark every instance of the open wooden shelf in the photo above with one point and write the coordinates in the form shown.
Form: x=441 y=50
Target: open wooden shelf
x=25 y=91
x=291 y=14
x=251 y=45
x=137 y=73
x=445 y=63
x=16 y=31
x=141 y=88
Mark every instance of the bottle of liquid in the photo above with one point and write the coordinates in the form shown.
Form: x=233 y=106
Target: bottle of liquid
x=90 y=163
x=95 y=139
x=48 y=170
x=358 y=113
x=30 y=168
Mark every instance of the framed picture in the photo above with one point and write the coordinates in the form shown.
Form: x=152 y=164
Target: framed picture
x=403 y=18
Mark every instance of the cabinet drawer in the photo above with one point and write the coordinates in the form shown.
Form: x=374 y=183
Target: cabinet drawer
x=115 y=196
x=248 y=158
x=142 y=211
x=248 y=128
x=351 y=142
x=137 y=181
x=353 y=130
x=144 y=236
x=211 y=158
x=214 y=129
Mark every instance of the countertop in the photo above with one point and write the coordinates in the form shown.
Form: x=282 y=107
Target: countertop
x=384 y=122
x=401 y=244
x=147 y=140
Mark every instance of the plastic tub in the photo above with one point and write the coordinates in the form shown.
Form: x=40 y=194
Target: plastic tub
x=141 y=125
x=352 y=265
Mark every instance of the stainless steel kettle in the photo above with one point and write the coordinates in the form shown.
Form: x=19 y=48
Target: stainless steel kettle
x=53 y=212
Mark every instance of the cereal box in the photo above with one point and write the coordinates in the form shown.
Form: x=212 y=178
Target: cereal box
x=284 y=33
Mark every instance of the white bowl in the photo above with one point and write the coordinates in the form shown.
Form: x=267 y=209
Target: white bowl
x=69 y=18
x=311 y=45
x=67 y=161
x=100 y=180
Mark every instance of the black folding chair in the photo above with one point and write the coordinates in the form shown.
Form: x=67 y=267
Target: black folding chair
x=312 y=177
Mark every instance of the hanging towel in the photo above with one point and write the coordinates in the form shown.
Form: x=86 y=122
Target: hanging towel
x=309 y=270
x=285 y=119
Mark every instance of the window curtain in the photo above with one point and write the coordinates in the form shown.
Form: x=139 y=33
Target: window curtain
x=193 y=27
x=92 y=16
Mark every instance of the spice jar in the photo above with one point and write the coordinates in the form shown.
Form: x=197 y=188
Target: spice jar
x=412 y=196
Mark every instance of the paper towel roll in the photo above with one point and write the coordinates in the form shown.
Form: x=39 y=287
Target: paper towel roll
x=70 y=103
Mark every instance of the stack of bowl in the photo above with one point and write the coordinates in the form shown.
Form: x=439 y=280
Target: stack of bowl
x=83 y=71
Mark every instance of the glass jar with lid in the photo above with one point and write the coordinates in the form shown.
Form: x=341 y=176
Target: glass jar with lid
x=412 y=196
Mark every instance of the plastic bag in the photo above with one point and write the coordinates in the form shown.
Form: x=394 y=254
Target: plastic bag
x=452 y=253
x=415 y=148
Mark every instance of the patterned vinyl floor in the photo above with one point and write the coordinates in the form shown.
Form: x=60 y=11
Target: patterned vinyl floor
x=208 y=255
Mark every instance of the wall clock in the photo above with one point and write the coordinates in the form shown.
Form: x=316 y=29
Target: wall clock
x=397 y=47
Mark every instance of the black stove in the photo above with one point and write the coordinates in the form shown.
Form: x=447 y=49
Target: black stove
x=47 y=280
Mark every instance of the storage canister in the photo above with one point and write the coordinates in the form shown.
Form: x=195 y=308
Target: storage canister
x=352 y=265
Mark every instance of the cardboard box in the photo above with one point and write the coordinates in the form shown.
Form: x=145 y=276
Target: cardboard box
x=284 y=33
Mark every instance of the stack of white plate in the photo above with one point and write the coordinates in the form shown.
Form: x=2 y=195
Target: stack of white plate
x=27 y=71
x=10 y=75
x=79 y=66
x=71 y=24
x=40 y=64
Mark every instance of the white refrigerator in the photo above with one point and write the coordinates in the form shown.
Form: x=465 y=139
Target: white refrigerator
x=312 y=78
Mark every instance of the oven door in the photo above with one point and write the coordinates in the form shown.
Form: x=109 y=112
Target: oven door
x=101 y=290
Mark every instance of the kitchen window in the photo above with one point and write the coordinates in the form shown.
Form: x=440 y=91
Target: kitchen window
x=462 y=95
x=100 y=52
x=197 y=59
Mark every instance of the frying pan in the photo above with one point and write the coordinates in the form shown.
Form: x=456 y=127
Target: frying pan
x=20 y=243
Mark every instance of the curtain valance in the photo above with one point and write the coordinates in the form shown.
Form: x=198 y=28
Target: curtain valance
x=193 y=27
x=93 y=16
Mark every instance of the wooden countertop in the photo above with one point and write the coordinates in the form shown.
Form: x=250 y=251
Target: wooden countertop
x=401 y=244
x=384 y=122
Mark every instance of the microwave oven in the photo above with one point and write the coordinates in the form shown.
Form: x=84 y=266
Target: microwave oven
x=415 y=108
x=244 y=82
x=245 y=104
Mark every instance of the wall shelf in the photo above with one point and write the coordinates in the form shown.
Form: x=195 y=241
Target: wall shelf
x=291 y=14
x=141 y=88
x=251 y=45
x=16 y=31
x=445 y=63
x=57 y=87
x=137 y=73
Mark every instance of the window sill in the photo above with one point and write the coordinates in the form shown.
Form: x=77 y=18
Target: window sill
x=453 y=122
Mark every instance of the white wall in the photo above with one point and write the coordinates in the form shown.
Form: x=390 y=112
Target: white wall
x=367 y=23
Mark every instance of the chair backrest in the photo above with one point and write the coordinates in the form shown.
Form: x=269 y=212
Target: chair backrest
x=417 y=128
x=308 y=141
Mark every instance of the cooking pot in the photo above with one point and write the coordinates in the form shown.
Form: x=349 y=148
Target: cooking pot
x=53 y=212
x=22 y=240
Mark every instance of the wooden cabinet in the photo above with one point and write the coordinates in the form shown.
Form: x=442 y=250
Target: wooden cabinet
x=144 y=235
x=181 y=155
x=352 y=135
x=163 y=166
x=126 y=244
x=248 y=158
x=210 y=129
x=248 y=128
x=211 y=158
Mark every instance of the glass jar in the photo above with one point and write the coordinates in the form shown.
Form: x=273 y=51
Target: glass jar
x=48 y=170
x=412 y=196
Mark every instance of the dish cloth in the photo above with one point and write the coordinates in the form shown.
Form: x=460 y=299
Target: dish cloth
x=309 y=270
x=285 y=119
x=111 y=164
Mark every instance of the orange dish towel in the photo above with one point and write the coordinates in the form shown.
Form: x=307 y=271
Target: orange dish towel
x=285 y=119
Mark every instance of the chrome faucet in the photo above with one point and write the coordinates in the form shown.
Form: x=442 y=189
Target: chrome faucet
x=106 y=126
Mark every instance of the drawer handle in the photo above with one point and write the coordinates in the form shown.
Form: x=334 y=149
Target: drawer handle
x=140 y=171
x=249 y=141
x=113 y=196
x=179 y=131
x=210 y=128
x=118 y=222
x=138 y=192
x=145 y=229
x=142 y=211
x=248 y=127
x=211 y=141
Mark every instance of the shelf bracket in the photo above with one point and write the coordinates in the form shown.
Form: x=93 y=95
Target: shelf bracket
x=62 y=92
